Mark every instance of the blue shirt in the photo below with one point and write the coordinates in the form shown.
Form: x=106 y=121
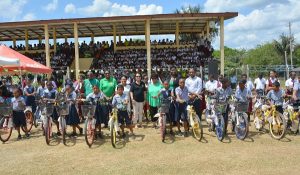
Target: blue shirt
x=223 y=94
x=241 y=95
x=92 y=97
x=40 y=91
x=18 y=103
x=276 y=97
x=119 y=100
x=182 y=93
x=50 y=94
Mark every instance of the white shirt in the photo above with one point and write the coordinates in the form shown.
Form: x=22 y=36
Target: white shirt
x=272 y=80
x=290 y=83
x=211 y=86
x=249 y=85
x=260 y=83
x=194 y=85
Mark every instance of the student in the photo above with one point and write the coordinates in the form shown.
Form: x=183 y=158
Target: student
x=19 y=119
x=243 y=95
x=73 y=117
x=120 y=101
x=51 y=94
x=182 y=97
x=29 y=93
x=275 y=96
x=94 y=98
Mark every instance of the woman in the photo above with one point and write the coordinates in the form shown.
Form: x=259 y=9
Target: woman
x=153 y=91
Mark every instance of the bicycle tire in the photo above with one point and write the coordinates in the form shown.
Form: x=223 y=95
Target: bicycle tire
x=162 y=127
x=282 y=126
x=241 y=131
x=29 y=121
x=89 y=132
x=113 y=134
x=197 y=128
x=220 y=127
x=63 y=129
x=34 y=121
x=48 y=130
x=7 y=130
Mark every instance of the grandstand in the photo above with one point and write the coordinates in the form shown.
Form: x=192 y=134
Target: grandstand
x=66 y=54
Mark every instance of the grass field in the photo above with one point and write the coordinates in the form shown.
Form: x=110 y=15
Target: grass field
x=146 y=154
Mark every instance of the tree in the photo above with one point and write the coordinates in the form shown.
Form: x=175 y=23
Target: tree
x=282 y=45
x=193 y=36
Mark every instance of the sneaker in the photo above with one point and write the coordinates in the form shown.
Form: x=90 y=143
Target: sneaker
x=186 y=134
x=58 y=133
x=19 y=137
x=179 y=133
x=81 y=131
x=123 y=135
x=27 y=135
x=100 y=136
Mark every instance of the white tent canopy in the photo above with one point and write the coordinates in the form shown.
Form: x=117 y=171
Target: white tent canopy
x=4 y=61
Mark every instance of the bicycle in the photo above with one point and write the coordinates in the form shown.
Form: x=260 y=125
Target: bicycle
x=29 y=119
x=277 y=122
x=215 y=119
x=88 y=111
x=162 y=117
x=47 y=109
x=194 y=121
x=239 y=119
x=292 y=115
x=62 y=109
x=6 y=122
x=113 y=126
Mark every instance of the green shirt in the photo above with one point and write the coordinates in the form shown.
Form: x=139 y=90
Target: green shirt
x=153 y=90
x=108 y=86
x=88 y=85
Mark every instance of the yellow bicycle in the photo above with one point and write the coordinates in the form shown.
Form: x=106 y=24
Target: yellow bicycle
x=113 y=126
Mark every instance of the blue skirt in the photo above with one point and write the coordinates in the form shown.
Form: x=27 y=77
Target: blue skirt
x=105 y=114
x=73 y=117
x=98 y=114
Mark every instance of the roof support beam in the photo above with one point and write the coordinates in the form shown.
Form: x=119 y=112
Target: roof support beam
x=26 y=40
x=67 y=31
x=13 y=33
x=177 y=34
x=47 y=48
x=115 y=37
x=148 y=46
x=222 y=44
x=76 y=51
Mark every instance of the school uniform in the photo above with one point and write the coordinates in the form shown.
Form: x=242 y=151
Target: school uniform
x=118 y=102
x=222 y=96
x=94 y=99
x=182 y=112
x=276 y=98
x=242 y=95
x=165 y=96
x=30 y=100
x=51 y=95
x=73 y=117
x=18 y=111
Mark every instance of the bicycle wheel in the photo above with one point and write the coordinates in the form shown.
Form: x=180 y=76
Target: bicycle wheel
x=48 y=130
x=278 y=127
x=89 y=132
x=197 y=128
x=220 y=127
x=63 y=128
x=5 y=129
x=241 y=130
x=113 y=134
x=29 y=121
x=35 y=124
x=162 y=127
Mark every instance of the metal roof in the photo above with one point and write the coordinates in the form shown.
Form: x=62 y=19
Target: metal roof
x=103 y=26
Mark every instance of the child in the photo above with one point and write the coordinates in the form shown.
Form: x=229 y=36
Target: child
x=275 y=96
x=182 y=97
x=120 y=101
x=165 y=95
x=51 y=93
x=94 y=98
x=29 y=93
x=1 y=98
x=41 y=89
x=19 y=119
x=73 y=117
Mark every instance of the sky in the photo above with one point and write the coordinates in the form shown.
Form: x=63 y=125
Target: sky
x=259 y=21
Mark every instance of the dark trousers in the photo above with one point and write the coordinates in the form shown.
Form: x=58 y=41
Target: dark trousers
x=225 y=115
x=197 y=107
x=153 y=111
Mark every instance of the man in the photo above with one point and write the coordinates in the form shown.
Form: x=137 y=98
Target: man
x=270 y=82
x=211 y=85
x=290 y=83
x=138 y=97
x=194 y=85
x=89 y=83
x=260 y=84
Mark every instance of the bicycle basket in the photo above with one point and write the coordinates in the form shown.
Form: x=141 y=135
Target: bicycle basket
x=221 y=107
x=241 y=106
x=47 y=109
x=6 y=110
x=63 y=109
x=88 y=110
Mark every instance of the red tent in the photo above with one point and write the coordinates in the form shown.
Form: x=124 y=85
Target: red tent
x=26 y=64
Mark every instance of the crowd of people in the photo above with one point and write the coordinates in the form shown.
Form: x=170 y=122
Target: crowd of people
x=139 y=97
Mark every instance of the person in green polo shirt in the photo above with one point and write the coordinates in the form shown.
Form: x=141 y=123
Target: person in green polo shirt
x=153 y=90
x=89 y=83
x=108 y=85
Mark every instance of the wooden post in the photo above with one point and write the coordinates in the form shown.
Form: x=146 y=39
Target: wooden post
x=26 y=40
x=54 y=39
x=115 y=37
x=93 y=38
x=120 y=38
x=14 y=42
x=66 y=39
x=148 y=45
x=177 y=34
x=47 y=49
x=207 y=29
x=222 y=45
x=76 y=51
x=40 y=39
